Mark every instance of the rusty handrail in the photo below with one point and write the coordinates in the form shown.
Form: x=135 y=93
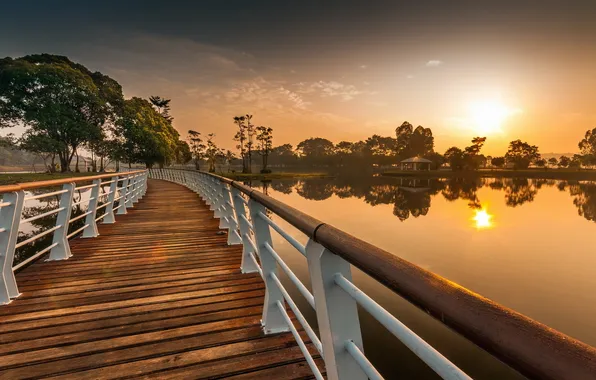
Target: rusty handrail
x=526 y=345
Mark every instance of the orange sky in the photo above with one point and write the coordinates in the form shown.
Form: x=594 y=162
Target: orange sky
x=342 y=73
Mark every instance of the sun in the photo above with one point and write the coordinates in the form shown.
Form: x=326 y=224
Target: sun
x=488 y=116
x=482 y=218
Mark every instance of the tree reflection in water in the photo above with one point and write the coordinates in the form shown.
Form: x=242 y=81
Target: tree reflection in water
x=412 y=197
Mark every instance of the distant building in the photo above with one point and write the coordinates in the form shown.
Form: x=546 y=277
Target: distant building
x=415 y=164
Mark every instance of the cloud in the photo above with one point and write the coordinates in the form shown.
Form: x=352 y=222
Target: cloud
x=363 y=67
x=325 y=89
x=434 y=63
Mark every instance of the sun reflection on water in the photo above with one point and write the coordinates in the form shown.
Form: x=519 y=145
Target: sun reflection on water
x=482 y=219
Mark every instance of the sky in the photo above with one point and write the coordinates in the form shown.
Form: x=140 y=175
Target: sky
x=340 y=70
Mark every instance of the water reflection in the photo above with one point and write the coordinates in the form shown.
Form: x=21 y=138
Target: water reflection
x=411 y=197
x=482 y=219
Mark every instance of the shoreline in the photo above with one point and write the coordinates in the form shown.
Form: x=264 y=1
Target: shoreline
x=527 y=173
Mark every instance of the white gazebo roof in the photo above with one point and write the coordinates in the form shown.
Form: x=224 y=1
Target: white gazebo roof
x=417 y=160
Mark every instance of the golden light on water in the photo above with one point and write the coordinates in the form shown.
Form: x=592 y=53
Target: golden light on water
x=482 y=219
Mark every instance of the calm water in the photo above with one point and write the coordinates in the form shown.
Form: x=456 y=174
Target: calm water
x=527 y=244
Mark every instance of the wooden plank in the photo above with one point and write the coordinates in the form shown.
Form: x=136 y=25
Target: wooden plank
x=157 y=294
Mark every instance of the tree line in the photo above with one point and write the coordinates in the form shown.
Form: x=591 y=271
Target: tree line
x=67 y=109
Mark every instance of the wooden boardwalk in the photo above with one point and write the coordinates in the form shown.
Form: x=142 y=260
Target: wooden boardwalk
x=159 y=294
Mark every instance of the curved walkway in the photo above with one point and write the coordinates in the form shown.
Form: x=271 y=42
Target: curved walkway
x=159 y=294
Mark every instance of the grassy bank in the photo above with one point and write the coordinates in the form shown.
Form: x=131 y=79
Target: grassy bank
x=567 y=174
x=12 y=178
x=270 y=176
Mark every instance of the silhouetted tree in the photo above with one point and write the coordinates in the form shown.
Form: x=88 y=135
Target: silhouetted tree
x=564 y=161
x=521 y=154
x=197 y=147
x=553 y=161
x=265 y=140
x=163 y=107
x=499 y=162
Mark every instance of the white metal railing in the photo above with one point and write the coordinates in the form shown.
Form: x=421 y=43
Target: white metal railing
x=526 y=345
x=133 y=187
x=334 y=297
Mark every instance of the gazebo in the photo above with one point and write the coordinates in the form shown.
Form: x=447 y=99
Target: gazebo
x=415 y=164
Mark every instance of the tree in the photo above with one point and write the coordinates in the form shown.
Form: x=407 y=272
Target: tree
x=59 y=99
x=541 y=163
x=381 y=149
x=587 y=146
x=521 y=154
x=42 y=146
x=283 y=155
x=148 y=137
x=413 y=142
x=576 y=161
x=212 y=153
x=455 y=157
x=250 y=133
x=182 y=154
x=163 y=107
x=499 y=162
x=403 y=134
x=230 y=156
x=437 y=158
x=265 y=143
x=471 y=156
x=241 y=137
x=316 y=151
x=553 y=161
x=564 y=161
x=197 y=147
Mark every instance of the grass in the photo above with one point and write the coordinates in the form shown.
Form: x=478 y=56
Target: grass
x=270 y=176
x=12 y=178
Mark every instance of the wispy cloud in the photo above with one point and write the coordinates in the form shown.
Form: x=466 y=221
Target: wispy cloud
x=331 y=89
x=363 y=67
x=434 y=63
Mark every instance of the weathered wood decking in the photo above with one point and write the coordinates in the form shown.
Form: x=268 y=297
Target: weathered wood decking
x=159 y=294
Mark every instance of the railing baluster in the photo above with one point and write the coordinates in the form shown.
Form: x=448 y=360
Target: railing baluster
x=109 y=218
x=273 y=320
x=91 y=229
x=247 y=265
x=233 y=237
x=337 y=312
x=62 y=250
x=122 y=195
x=10 y=218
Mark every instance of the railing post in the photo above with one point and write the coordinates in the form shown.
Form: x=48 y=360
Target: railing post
x=109 y=218
x=247 y=265
x=123 y=193
x=91 y=229
x=272 y=320
x=10 y=220
x=137 y=188
x=337 y=312
x=62 y=250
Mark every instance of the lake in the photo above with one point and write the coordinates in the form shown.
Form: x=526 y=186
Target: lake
x=525 y=243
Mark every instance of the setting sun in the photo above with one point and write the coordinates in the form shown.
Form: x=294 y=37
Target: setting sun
x=482 y=219
x=488 y=116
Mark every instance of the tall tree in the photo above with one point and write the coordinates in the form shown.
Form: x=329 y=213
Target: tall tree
x=587 y=147
x=499 y=162
x=241 y=137
x=553 y=161
x=265 y=144
x=403 y=134
x=197 y=147
x=182 y=154
x=212 y=152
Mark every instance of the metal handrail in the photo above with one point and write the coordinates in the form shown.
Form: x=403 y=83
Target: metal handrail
x=11 y=220
x=526 y=345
